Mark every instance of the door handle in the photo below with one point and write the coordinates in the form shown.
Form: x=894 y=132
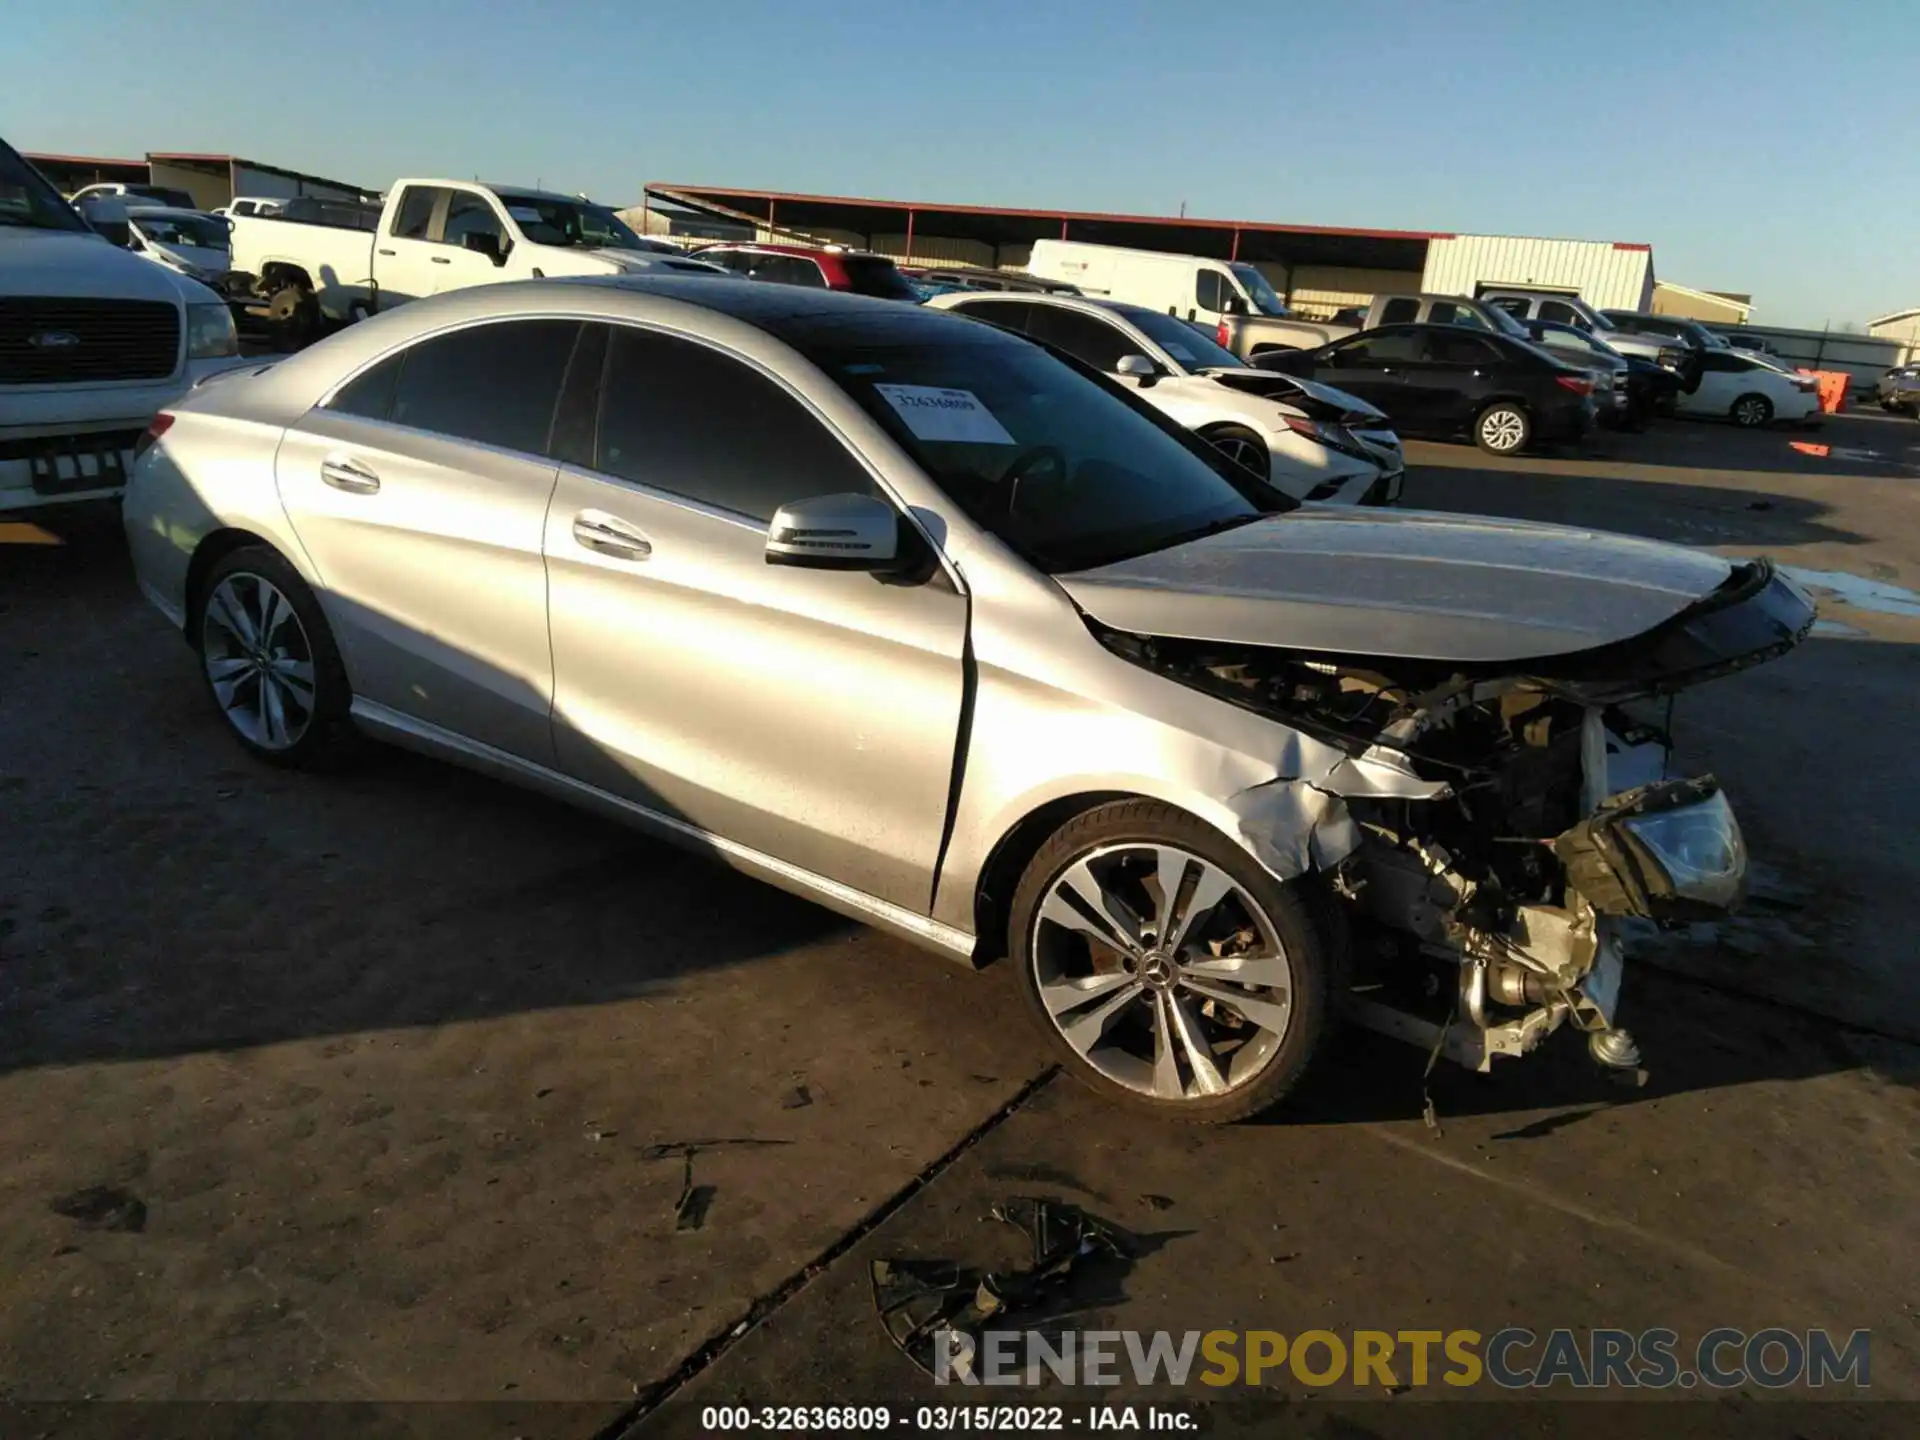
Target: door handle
x=388 y=252
x=440 y=260
x=608 y=536
x=349 y=475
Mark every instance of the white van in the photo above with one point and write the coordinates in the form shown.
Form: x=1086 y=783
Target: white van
x=1192 y=287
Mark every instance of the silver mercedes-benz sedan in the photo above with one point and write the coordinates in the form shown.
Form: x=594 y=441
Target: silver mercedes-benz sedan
x=940 y=628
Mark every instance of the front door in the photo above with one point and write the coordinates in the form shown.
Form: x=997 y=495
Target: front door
x=420 y=491
x=810 y=715
x=1377 y=366
x=1455 y=377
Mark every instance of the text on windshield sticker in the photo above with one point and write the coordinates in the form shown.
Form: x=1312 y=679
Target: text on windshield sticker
x=935 y=413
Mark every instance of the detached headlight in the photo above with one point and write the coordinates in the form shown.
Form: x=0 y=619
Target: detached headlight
x=210 y=332
x=1667 y=851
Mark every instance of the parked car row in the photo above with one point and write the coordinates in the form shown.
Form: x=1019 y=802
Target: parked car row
x=948 y=620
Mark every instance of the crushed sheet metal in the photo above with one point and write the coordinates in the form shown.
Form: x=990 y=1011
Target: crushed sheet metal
x=1294 y=824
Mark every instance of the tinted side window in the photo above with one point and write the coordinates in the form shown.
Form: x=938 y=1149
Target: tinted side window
x=1721 y=360
x=1007 y=314
x=1206 y=290
x=416 y=209
x=1090 y=341
x=680 y=417
x=802 y=271
x=1512 y=304
x=1558 y=310
x=1400 y=311
x=370 y=393
x=492 y=383
x=1376 y=348
x=1452 y=347
x=470 y=214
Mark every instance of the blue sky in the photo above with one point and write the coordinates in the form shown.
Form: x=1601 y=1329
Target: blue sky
x=1758 y=146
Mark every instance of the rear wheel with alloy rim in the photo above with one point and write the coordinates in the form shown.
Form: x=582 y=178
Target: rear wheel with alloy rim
x=269 y=660
x=1750 y=412
x=1167 y=969
x=1239 y=445
x=1502 y=429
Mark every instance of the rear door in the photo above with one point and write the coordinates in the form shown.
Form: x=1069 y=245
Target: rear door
x=1722 y=381
x=1458 y=373
x=403 y=254
x=810 y=715
x=420 y=491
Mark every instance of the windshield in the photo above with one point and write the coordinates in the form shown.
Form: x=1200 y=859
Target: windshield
x=197 y=230
x=161 y=195
x=876 y=275
x=1259 y=291
x=572 y=222
x=1191 y=347
x=1504 y=322
x=1058 y=464
x=30 y=202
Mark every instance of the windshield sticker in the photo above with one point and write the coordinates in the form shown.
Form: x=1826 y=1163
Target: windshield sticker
x=525 y=214
x=934 y=413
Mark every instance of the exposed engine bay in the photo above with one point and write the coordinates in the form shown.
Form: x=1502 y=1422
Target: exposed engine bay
x=1482 y=916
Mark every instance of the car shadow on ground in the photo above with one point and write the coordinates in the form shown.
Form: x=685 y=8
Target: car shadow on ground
x=1656 y=509
x=234 y=912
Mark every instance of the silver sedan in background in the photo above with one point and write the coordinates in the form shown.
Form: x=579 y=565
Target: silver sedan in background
x=905 y=614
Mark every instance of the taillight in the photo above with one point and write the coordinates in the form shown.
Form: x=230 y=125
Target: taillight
x=157 y=427
x=1220 y=337
x=1574 y=383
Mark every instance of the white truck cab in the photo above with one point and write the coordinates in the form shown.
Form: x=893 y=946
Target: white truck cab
x=93 y=342
x=432 y=236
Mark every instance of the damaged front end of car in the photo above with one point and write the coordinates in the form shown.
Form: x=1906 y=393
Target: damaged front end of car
x=1493 y=823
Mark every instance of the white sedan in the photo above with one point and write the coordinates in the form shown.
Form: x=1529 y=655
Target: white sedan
x=1750 y=390
x=1311 y=441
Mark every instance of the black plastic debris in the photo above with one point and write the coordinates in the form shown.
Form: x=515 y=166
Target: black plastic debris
x=103 y=1207
x=919 y=1299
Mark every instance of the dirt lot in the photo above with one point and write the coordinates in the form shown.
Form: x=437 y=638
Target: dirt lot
x=400 y=1085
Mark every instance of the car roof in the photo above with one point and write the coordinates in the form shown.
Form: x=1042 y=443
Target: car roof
x=811 y=252
x=527 y=192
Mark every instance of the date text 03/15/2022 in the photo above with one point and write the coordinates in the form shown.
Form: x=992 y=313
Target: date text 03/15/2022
x=945 y=1419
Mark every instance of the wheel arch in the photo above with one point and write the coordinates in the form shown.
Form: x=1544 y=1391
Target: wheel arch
x=212 y=549
x=1007 y=861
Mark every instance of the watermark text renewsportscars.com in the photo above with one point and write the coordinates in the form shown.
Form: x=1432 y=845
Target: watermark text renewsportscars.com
x=1514 y=1358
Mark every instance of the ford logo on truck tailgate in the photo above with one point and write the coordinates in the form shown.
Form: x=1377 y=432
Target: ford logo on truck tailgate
x=53 y=340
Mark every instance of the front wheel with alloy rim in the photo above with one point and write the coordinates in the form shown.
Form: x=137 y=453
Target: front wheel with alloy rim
x=1750 y=412
x=269 y=660
x=1502 y=429
x=1241 y=446
x=1168 y=970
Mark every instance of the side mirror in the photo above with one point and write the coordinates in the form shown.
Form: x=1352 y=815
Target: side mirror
x=1138 y=367
x=835 y=532
x=485 y=243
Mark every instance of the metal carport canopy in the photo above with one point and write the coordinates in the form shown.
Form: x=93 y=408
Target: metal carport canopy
x=1255 y=240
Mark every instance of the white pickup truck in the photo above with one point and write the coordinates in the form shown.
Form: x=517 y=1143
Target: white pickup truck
x=93 y=342
x=322 y=260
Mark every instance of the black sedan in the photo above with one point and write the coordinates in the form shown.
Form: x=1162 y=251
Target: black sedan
x=1448 y=380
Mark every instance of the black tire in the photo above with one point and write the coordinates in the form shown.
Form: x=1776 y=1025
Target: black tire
x=1503 y=428
x=1751 y=412
x=1273 y=1061
x=325 y=735
x=1242 y=445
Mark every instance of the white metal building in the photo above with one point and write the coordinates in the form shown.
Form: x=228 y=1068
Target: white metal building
x=1604 y=273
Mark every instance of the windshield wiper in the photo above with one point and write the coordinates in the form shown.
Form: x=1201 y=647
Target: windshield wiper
x=1212 y=527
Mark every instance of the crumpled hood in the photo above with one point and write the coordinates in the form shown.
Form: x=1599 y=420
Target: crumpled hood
x=69 y=263
x=1281 y=386
x=1410 y=584
x=199 y=261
